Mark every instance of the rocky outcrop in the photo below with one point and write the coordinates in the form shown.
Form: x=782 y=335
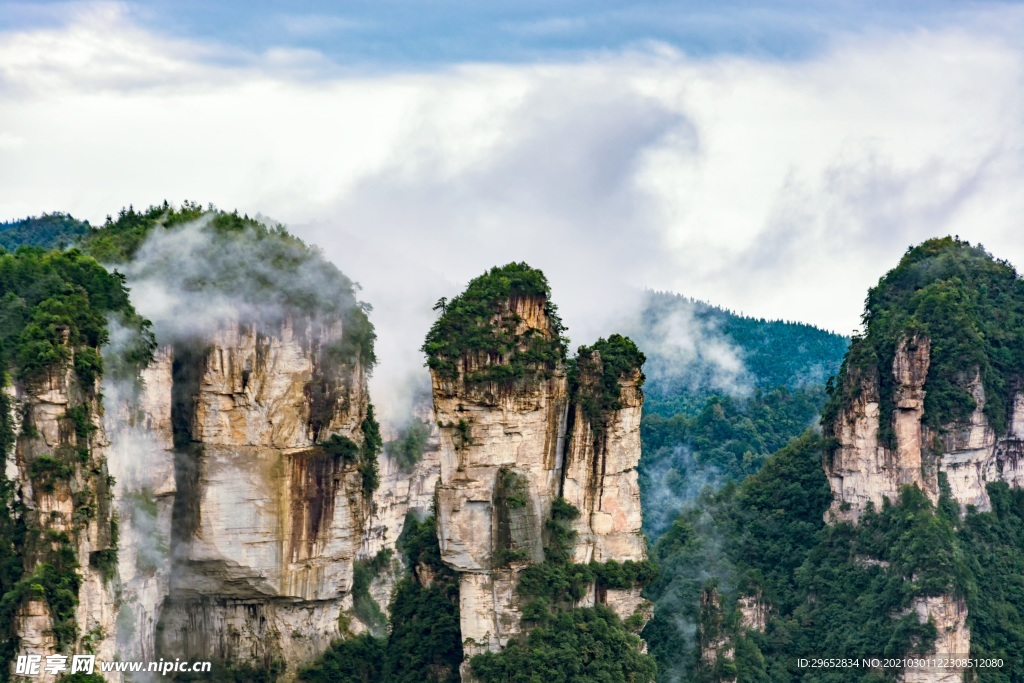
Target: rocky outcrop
x=490 y=435
x=717 y=650
x=244 y=527
x=866 y=469
x=509 y=448
x=969 y=454
x=953 y=638
x=754 y=612
x=61 y=479
x=600 y=479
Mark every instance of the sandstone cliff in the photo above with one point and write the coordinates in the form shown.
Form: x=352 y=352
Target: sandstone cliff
x=930 y=398
x=61 y=478
x=517 y=432
x=244 y=525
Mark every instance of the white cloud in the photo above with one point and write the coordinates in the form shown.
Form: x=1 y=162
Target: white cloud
x=781 y=189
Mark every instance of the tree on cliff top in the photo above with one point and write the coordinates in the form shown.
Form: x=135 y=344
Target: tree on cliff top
x=53 y=303
x=263 y=272
x=481 y=322
x=969 y=305
x=50 y=230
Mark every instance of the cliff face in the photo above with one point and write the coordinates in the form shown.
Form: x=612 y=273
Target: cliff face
x=244 y=526
x=866 y=471
x=61 y=478
x=968 y=453
x=489 y=436
x=509 y=448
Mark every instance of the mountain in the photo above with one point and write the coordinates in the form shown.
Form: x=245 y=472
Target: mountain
x=696 y=351
x=898 y=531
x=724 y=391
x=195 y=471
x=51 y=230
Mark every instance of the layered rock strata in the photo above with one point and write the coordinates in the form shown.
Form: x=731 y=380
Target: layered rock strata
x=508 y=450
x=244 y=527
x=59 y=469
x=866 y=470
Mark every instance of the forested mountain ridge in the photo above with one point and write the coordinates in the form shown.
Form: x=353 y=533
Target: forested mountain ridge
x=50 y=230
x=697 y=350
x=725 y=391
x=912 y=544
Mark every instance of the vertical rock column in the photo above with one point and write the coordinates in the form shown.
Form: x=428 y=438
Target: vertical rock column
x=71 y=535
x=497 y=440
x=864 y=467
x=601 y=479
x=868 y=469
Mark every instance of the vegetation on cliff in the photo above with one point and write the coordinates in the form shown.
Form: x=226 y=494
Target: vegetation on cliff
x=263 y=269
x=596 y=375
x=480 y=333
x=363 y=454
x=56 y=305
x=55 y=312
x=423 y=643
x=835 y=590
x=566 y=643
x=971 y=308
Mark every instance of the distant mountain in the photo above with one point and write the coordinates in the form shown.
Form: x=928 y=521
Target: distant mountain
x=723 y=392
x=696 y=350
x=50 y=231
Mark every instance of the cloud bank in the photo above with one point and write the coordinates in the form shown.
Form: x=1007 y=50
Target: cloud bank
x=779 y=189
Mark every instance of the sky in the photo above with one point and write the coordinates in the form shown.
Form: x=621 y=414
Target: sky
x=774 y=158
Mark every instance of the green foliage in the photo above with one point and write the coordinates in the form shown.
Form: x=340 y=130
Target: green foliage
x=233 y=672
x=411 y=442
x=773 y=353
x=50 y=231
x=595 y=377
x=364 y=606
x=12 y=544
x=88 y=366
x=266 y=267
x=364 y=454
x=105 y=562
x=46 y=471
x=993 y=547
x=511 y=489
x=576 y=646
x=55 y=303
x=341 y=447
x=608 y=649
x=971 y=308
x=57 y=582
x=359 y=659
x=729 y=439
x=478 y=331
x=424 y=642
x=833 y=590
x=369 y=450
x=620 y=575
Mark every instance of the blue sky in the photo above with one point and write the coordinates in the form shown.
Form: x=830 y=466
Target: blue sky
x=387 y=33
x=775 y=158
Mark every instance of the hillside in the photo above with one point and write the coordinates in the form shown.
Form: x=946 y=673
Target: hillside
x=724 y=391
x=51 y=230
x=911 y=546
